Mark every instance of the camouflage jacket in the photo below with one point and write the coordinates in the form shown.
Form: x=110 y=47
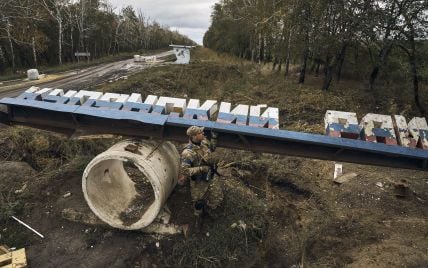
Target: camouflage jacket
x=196 y=159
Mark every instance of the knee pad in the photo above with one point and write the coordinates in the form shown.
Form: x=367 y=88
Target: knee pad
x=200 y=204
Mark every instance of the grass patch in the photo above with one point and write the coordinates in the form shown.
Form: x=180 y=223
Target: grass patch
x=225 y=78
x=46 y=151
x=235 y=233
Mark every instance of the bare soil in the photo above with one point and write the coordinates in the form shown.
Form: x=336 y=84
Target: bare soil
x=278 y=211
x=142 y=201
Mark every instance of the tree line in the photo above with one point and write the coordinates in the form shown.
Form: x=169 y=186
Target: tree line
x=34 y=32
x=326 y=35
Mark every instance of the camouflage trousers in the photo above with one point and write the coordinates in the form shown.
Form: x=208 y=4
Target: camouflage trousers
x=211 y=192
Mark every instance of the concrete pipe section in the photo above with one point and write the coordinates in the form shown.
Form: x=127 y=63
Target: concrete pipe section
x=127 y=185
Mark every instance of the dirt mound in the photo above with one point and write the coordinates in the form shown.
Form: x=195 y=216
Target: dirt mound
x=12 y=171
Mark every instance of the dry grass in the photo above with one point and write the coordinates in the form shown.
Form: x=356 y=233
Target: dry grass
x=287 y=210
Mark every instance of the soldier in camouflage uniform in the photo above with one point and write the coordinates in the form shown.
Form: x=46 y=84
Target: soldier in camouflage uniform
x=197 y=165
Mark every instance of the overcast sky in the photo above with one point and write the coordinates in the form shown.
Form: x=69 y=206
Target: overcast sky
x=189 y=17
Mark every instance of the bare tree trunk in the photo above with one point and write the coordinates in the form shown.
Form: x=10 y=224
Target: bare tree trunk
x=60 y=41
x=279 y=66
x=72 y=44
x=116 y=44
x=383 y=55
x=414 y=72
x=305 y=59
x=2 y=60
x=287 y=60
x=304 y=64
x=331 y=64
x=275 y=62
x=328 y=72
x=317 y=68
x=9 y=37
x=34 y=52
x=340 y=61
x=261 y=50
x=2 y=57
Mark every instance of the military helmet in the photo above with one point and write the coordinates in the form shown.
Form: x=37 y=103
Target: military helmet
x=194 y=130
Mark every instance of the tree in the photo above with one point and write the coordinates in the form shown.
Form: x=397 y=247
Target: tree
x=55 y=9
x=414 y=26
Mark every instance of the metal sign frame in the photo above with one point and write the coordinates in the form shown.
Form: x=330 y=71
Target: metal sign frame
x=72 y=119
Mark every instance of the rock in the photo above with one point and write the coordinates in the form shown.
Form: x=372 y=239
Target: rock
x=379 y=184
x=33 y=74
x=345 y=177
x=401 y=189
x=131 y=148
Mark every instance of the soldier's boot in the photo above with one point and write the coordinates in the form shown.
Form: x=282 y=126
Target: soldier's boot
x=199 y=213
x=199 y=224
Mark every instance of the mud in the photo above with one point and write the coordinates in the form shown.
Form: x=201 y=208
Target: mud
x=141 y=203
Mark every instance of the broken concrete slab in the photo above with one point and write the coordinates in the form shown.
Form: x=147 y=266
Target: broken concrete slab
x=345 y=177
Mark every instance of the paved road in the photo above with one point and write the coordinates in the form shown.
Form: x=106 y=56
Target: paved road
x=85 y=78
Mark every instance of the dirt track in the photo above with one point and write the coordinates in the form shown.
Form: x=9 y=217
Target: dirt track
x=86 y=78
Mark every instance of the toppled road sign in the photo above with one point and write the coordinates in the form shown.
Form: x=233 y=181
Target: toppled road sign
x=244 y=127
x=182 y=53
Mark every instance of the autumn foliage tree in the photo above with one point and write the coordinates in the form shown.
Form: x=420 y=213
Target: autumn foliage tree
x=34 y=32
x=325 y=35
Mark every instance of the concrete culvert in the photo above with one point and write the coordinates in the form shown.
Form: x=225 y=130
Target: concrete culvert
x=127 y=185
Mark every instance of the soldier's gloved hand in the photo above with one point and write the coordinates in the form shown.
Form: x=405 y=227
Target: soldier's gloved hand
x=181 y=180
x=209 y=159
x=204 y=169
